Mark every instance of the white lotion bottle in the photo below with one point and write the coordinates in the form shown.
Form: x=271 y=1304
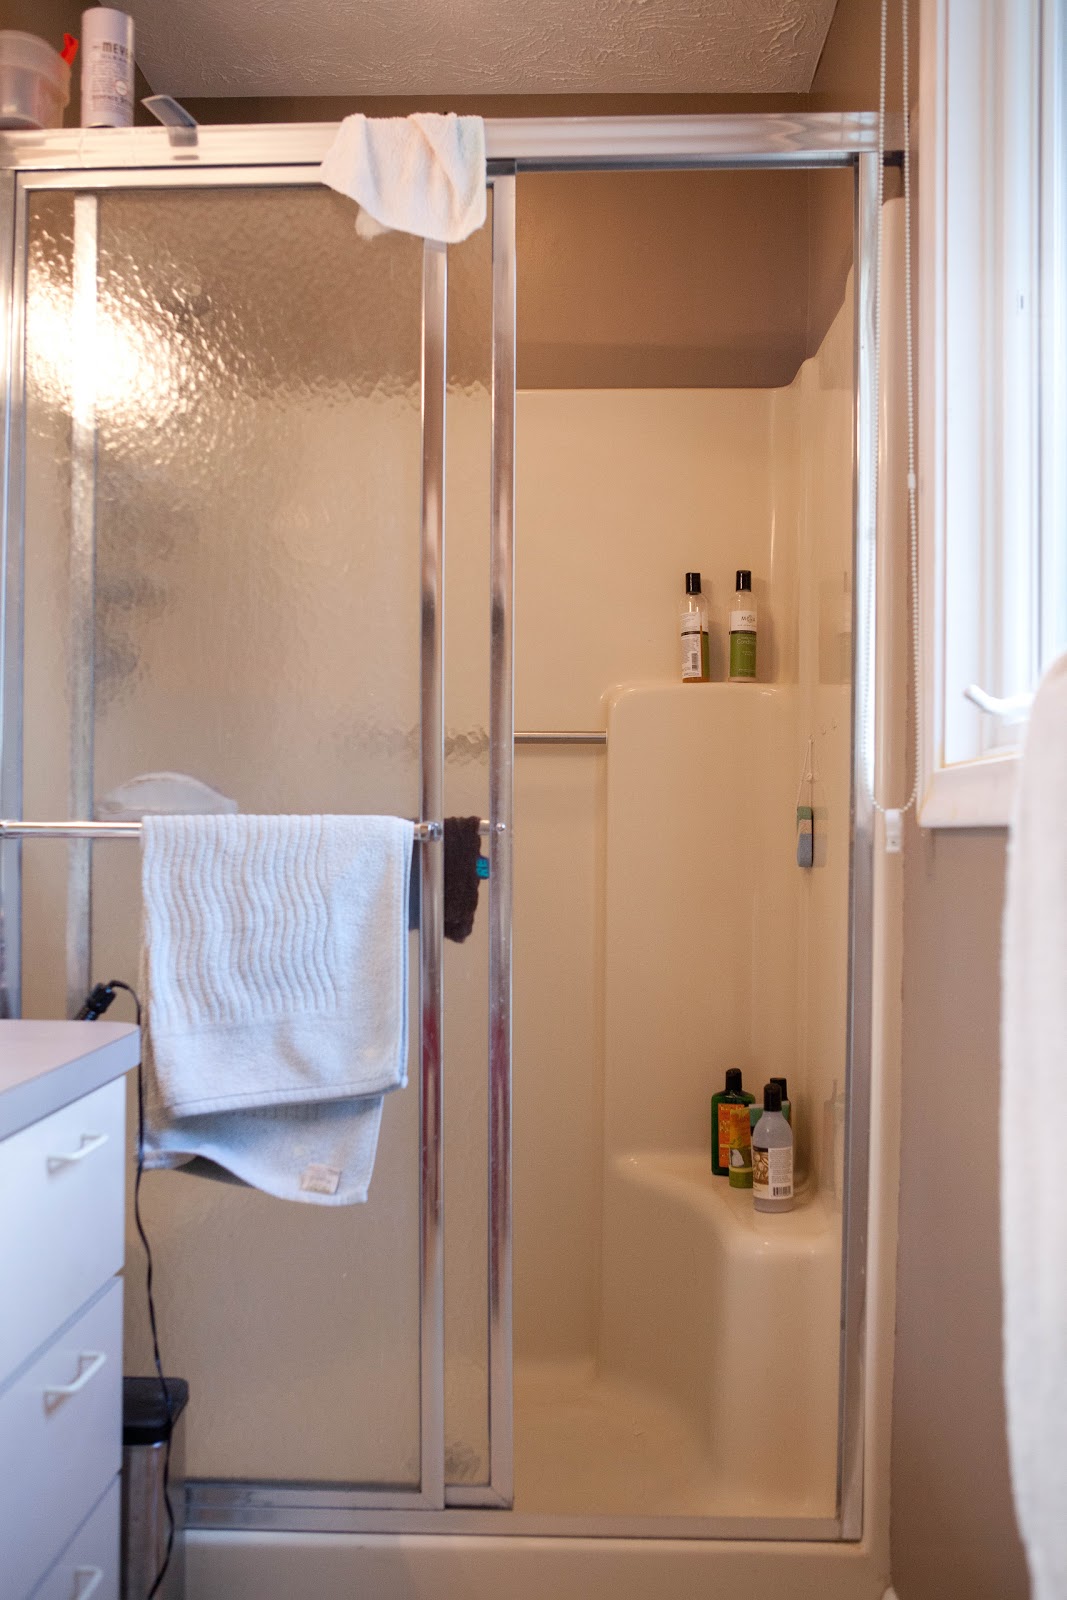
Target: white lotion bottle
x=772 y=1155
x=107 y=68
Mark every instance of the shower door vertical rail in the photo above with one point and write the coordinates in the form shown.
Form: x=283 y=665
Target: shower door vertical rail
x=80 y=605
x=12 y=324
x=850 y=1475
x=431 y=872
x=498 y=1492
x=501 y=765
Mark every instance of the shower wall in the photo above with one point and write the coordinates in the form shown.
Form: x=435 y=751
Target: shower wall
x=620 y=492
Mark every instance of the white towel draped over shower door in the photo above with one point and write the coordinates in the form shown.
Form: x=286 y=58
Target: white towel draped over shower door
x=423 y=174
x=1033 y=1141
x=276 y=975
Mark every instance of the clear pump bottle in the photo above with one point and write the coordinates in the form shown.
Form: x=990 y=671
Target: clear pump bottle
x=772 y=1155
x=693 y=623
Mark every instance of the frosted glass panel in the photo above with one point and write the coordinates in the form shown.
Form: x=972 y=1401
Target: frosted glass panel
x=256 y=626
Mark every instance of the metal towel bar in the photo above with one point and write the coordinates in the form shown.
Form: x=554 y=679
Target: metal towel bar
x=17 y=829
x=562 y=736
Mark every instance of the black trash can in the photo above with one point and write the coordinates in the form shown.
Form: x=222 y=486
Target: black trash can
x=146 y=1427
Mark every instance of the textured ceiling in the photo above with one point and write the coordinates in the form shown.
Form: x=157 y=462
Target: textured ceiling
x=442 y=47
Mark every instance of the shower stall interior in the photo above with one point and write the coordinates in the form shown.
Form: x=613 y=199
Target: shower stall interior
x=278 y=517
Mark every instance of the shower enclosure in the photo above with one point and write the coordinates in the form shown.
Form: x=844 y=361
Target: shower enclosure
x=235 y=437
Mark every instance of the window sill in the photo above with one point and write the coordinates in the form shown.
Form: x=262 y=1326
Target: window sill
x=975 y=794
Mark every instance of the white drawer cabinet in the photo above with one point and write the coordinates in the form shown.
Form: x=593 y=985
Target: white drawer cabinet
x=89 y=1564
x=62 y=1193
x=61 y=1200
x=60 y=1439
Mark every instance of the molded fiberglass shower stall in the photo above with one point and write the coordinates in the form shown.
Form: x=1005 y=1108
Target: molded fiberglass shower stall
x=237 y=434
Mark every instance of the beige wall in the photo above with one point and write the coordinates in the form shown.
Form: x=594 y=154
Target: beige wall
x=619 y=493
x=953 y=1527
x=590 y=245
x=953 y=1533
x=845 y=79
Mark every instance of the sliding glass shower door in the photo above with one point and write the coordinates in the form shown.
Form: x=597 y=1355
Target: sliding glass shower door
x=235 y=423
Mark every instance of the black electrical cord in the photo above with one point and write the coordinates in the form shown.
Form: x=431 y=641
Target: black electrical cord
x=96 y=1003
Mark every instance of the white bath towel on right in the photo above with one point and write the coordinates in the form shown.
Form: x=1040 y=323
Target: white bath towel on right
x=1033 y=1141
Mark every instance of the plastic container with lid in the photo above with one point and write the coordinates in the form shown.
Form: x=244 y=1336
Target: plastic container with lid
x=34 y=82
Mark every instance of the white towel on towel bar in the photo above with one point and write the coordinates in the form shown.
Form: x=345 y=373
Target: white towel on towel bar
x=275 y=975
x=1033 y=1116
x=423 y=174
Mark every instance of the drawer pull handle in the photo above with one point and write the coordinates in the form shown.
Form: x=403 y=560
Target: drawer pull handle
x=58 y=1392
x=95 y=1576
x=90 y=1142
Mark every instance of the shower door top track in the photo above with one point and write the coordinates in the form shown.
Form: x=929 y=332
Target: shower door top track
x=513 y=144
x=288 y=155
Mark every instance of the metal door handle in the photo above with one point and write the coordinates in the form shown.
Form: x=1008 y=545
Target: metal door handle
x=62 y=1391
x=90 y=1142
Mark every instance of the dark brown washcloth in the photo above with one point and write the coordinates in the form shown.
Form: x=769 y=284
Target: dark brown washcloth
x=463 y=846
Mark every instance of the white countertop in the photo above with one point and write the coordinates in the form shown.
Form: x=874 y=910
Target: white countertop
x=46 y=1065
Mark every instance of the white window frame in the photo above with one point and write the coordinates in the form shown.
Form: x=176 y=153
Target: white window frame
x=993 y=546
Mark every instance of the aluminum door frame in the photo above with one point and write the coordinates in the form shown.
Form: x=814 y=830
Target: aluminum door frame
x=15 y=191
x=287 y=154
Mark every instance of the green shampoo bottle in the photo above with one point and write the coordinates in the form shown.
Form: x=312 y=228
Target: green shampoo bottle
x=732 y=1095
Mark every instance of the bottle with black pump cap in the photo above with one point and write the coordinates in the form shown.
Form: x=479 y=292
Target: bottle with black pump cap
x=743 y=631
x=730 y=1104
x=772 y=1155
x=787 y=1104
x=693 y=626
x=756 y=1111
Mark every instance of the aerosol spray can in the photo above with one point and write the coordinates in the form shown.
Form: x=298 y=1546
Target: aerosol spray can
x=107 y=68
